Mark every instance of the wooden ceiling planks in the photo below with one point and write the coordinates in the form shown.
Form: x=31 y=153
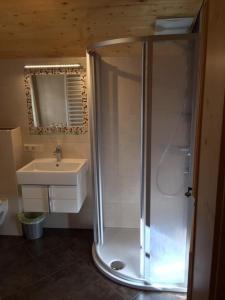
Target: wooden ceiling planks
x=51 y=28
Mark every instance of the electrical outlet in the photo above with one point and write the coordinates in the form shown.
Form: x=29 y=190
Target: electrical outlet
x=33 y=147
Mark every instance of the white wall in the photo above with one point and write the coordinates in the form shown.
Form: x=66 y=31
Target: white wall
x=121 y=140
x=13 y=113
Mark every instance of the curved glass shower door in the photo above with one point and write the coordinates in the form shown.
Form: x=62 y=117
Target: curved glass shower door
x=172 y=116
x=118 y=94
x=141 y=97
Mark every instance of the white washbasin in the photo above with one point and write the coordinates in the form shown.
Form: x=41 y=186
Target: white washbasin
x=47 y=171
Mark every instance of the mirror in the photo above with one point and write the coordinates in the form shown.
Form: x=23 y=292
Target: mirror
x=56 y=99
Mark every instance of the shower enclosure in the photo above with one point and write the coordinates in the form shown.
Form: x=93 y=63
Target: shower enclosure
x=142 y=104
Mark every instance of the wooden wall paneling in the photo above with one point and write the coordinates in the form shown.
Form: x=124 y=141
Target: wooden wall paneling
x=218 y=262
x=212 y=115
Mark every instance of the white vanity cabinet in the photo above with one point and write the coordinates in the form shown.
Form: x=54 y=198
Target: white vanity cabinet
x=53 y=199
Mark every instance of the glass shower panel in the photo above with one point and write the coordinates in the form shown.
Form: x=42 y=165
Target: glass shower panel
x=120 y=77
x=171 y=141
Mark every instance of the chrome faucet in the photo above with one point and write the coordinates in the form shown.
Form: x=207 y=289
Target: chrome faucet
x=58 y=153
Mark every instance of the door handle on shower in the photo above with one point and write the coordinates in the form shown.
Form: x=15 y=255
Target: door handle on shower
x=188 y=193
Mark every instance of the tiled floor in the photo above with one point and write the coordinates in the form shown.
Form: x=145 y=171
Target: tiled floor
x=59 y=266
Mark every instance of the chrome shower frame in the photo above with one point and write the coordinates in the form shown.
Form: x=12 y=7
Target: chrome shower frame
x=95 y=123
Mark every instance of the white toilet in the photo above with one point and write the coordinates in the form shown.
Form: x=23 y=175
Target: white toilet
x=3 y=209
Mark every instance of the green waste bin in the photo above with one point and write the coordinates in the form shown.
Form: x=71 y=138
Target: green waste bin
x=32 y=224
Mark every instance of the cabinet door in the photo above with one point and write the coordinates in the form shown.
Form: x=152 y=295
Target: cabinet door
x=35 y=198
x=64 y=206
x=64 y=199
x=63 y=192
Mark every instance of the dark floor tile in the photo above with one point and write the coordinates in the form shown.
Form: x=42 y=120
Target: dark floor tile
x=63 y=238
x=83 y=238
x=43 y=245
x=26 y=275
x=59 y=266
x=73 y=282
x=12 y=259
x=7 y=242
x=41 y=290
x=58 y=259
x=124 y=291
x=97 y=291
x=83 y=280
x=81 y=252
x=70 y=235
x=13 y=297
x=50 y=290
x=76 y=276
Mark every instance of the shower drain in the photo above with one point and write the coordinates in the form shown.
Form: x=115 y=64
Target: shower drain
x=117 y=265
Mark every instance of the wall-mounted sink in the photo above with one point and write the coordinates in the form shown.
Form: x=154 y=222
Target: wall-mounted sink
x=48 y=172
x=51 y=186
